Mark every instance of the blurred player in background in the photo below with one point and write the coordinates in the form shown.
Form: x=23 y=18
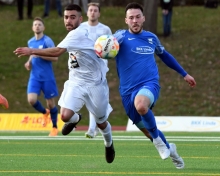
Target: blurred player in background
x=96 y=29
x=3 y=102
x=42 y=76
x=86 y=84
x=139 y=77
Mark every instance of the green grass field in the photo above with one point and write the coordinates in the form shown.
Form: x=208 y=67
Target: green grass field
x=34 y=154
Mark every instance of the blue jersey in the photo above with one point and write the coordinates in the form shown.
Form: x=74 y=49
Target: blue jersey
x=136 y=64
x=42 y=70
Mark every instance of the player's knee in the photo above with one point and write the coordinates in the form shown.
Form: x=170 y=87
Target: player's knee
x=32 y=101
x=103 y=125
x=64 y=118
x=141 y=108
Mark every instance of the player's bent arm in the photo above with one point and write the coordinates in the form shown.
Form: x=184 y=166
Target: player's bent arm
x=49 y=52
x=53 y=59
x=27 y=65
x=171 y=62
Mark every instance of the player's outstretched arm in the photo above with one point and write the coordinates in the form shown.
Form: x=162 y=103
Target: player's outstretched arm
x=190 y=80
x=49 y=52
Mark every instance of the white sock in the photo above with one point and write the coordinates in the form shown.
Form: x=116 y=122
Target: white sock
x=74 y=118
x=92 y=123
x=107 y=135
x=157 y=140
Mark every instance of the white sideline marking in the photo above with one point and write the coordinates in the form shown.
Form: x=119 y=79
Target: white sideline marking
x=119 y=138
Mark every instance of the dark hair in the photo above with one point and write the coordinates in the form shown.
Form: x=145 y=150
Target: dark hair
x=73 y=7
x=38 y=19
x=133 y=5
x=94 y=4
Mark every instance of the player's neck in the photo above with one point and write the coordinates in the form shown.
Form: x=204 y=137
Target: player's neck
x=93 y=23
x=39 y=36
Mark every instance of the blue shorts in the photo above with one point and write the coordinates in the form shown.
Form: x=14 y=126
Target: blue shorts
x=49 y=88
x=128 y=100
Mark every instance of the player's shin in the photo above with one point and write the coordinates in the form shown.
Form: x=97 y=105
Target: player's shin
x=150 y=123
x=164 y=139
x=107 y=134
x=74 y=118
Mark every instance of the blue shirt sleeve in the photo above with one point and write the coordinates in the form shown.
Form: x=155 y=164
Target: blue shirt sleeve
x=119 y=35
x=159 y=47
x=171 y=62
x=49 y=42
x=168 y=59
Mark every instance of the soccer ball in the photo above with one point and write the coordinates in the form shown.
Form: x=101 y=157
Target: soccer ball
x=106 y=47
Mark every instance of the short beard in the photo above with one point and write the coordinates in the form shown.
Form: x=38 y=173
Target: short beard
x=38 y=33
x=134 y=32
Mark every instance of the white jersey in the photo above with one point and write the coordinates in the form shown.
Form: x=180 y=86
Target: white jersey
x=96 y=31
x=85 y=68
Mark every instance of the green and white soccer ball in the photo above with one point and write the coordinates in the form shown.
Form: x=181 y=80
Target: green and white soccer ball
x=106 y=47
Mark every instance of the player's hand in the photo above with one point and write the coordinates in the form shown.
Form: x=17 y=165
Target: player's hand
x=190 y=80
x=27 y=65
x=23 y=51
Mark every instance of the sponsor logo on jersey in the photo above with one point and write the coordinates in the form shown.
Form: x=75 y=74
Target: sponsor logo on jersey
x=142 y=50
x=150 y=40
x=131 y=38
x=73 y=62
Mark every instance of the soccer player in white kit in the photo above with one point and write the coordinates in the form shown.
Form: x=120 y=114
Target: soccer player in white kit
x=96 y=29
x=86 y=84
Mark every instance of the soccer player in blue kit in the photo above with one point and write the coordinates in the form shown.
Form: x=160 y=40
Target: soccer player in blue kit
x=139 y=78
x=42 y=76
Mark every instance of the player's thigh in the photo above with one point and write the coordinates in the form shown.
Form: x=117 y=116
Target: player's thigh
x=128 y=103
x=97 y=102
x=34 y=86
x=49 y=88
x=72 y=98
x=150 y=91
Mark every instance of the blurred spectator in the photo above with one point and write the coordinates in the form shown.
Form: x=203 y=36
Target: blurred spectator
x=84 y=4
x=167 y=7
x=211 y=3
x=20 y=5
x=47 y=8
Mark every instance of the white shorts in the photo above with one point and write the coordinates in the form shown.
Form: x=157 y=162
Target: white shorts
x=95 y=98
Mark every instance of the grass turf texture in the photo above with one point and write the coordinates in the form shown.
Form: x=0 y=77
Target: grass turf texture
x=76 y=155
x=194 y=42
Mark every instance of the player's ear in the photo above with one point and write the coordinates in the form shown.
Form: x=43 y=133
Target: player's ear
x=81 y=19
x=126 y=20
x=143 y=18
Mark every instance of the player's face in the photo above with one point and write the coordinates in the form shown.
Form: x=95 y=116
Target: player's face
x=38 y=27
x=93 y=13
x=72 y=19
x=134 y=19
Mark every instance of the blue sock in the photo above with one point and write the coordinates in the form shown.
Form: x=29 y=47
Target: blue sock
x=150 y=123
x=163 y=139
x=38 y=106
x=53 y=115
